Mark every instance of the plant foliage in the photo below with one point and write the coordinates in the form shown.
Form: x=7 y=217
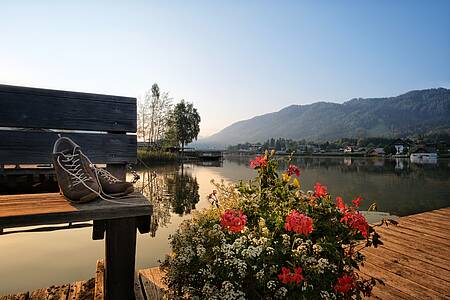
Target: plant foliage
x=269 y=239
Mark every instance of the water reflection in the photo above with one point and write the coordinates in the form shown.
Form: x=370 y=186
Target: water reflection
x=398 y=186
x=171 y=190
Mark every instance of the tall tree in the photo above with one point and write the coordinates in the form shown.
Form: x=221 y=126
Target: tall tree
x=154 y=110
x=185 y=124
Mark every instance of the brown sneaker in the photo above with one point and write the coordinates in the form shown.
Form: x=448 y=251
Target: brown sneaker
x=111 y=185
x=75 y=179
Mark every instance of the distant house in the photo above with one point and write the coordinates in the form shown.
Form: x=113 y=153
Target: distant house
x=255 y=147
x=401 y=146
x=423 y=153
x=376 y=152
x=349 y=149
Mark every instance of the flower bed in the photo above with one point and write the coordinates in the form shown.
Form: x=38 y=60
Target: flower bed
x=269 y=239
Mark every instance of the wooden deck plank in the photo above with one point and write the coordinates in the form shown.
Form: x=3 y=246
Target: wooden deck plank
x=411 y=261
x=53 y=292
x=445 y=224
x=404 y=285
x=443 y=211
x=420 y=235
x=435 y=249
x=420 y=229
x=99 y=280
x=426 y=224
x=152 y=283
x=21 y=296
x=386 y=292
x=82 y=290
x=387 y=263
x=436 y=215
x=52 y=208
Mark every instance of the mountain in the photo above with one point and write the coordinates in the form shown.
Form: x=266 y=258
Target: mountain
x=416 y=112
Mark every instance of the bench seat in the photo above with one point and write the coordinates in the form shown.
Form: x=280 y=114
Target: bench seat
x=53 y=208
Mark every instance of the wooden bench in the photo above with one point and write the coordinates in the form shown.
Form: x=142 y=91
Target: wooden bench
x=30 y=120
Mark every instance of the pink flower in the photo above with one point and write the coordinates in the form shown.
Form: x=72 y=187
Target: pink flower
x=357 y=201
x=340 y=204
x=293 y=169
x=259 y=161
x=344 y=284
x=287 y=276
x=298 y=223
x=233 y=220
x=320 y=190
x=357 y=221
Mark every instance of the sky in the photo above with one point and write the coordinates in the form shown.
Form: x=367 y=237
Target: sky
x=232 y=59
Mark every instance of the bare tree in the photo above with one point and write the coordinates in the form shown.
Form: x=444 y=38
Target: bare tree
x=154 y=110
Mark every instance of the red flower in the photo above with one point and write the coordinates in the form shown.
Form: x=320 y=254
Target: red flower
x=259 y=161
x=357 y=221
x=293 y=169
x=233 y=220
x=298 y=223
x=357 y=201
x=344 y=284
x=287 y=276
x=320 y=190
x=340 y=204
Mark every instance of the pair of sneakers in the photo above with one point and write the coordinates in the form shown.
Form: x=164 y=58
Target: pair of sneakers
x=79 y=179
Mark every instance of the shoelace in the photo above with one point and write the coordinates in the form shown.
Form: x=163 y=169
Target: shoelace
x=105 y=174
x=73 y=167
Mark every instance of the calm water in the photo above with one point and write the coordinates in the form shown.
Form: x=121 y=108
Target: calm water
x=33 y=260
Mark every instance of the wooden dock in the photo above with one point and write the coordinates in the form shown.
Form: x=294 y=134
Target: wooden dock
x=414 y=263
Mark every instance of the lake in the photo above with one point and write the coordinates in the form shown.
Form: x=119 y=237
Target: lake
x=33 y=260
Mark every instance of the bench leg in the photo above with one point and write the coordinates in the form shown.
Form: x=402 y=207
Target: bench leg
x=120 y=254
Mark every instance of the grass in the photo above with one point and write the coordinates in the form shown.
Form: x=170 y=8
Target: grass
x=156 y=157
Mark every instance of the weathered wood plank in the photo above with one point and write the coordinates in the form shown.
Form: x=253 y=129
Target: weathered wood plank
x=425 y=224
x=138 y=288
x=152 y=283
x=443 y=211
x=41 y=108
x=413 y=226
x=404 y=285
x=30 y=147
x=435 y=249
x=21 y=296
x=99 y=280
x=431 y=221
x=82 y=290
x=409 y=260
x=391 y=265
x=413 y=243
x=386 y=291
x=52 y=208
x=420 y=235
x=53 y=292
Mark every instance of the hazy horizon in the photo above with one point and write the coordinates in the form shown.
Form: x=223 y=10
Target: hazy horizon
x=233 y=61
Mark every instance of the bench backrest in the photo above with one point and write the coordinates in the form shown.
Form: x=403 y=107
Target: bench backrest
x=31 y=119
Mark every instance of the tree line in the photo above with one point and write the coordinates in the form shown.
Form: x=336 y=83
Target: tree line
x=442 y=140
x=162 y=124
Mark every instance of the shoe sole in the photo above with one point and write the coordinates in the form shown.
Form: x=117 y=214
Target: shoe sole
x=124 y=193
x=83 y=199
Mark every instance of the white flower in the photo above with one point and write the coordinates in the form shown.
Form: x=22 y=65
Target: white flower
x=281 y=293
x=271 y=285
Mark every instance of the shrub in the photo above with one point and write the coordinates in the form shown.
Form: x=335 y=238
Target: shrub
x=271 y=240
